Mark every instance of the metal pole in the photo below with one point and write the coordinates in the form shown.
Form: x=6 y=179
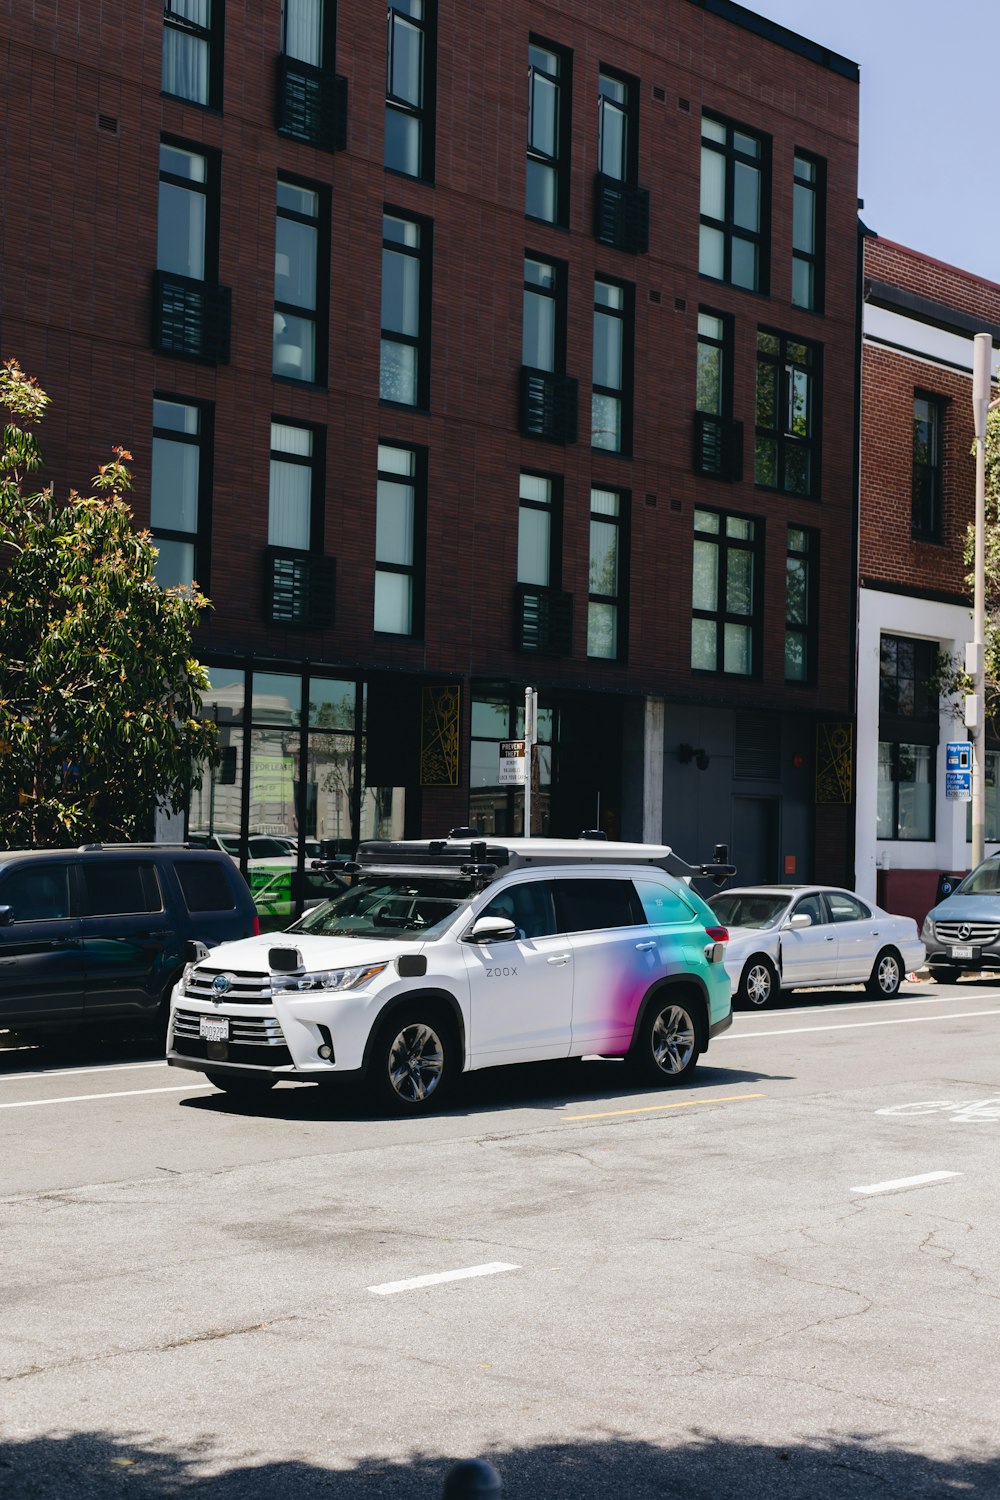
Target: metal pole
x=982 y=354
x=529 y=755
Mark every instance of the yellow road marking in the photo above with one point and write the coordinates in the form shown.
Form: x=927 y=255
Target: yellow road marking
x=647 y=1109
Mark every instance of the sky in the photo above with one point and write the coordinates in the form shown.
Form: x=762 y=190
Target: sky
x=930 y=117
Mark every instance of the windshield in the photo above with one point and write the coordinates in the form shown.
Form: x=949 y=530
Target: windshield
x=747 y=910
x=984 y=880
x=414 y=907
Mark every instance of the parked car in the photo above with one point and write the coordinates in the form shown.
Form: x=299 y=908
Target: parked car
x=102 y=933
x=259 y=845
x=962 y=933
x=787 y=937
x=453 y=954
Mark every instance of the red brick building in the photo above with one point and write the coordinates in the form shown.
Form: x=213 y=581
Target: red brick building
x=917 y=503
x=520 y=350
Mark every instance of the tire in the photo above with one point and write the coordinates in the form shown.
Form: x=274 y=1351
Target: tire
x=945 y=974
x=242 y=1085
x=886 y=976
x=414 y=1060
x=666 y=1050
x=759 y=988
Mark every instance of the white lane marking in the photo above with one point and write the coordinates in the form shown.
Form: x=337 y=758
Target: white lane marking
x=905 y=1182
x=174 y=1088
x=69 y=1072
x=742 y=1036
x=962 y=1111
x=798 y=1009
x=492 y=1268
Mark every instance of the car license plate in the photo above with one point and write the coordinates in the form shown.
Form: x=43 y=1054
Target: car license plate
x=215 y=1028
x=962 y=952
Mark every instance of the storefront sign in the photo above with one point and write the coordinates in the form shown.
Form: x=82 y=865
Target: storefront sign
x=512 y=763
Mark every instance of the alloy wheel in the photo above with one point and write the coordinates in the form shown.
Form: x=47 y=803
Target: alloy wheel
x=673 y=1039
x=416 y=1063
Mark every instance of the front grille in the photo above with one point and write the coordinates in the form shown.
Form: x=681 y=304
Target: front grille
x=257 y=1040
x=982 y=934
x=244 y=988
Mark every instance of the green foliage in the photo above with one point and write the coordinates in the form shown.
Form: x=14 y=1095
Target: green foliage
x=100 y=695
x=951 y=677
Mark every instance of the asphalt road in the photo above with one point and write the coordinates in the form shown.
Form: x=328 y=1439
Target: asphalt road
x=780 y=1280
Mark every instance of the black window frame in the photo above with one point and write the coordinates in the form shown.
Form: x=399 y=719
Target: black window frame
x=717 y=451
x=315 y=462
x=619 y=600
x=897 y=749
x=210 y=190
x=787 y=443
x=213 y=35
x=730 y=230
x=630 y=112
x=927 y=480
x=421 y=341
x=558 y=295
x=625 y=393
x=918 y=658
x=554 y=509
x=328 y=38
x=204 y=441
x=416 y=570
x=320 y=316
x=806 y=629
x=424 y=113
x=721 y=616
x=815 y=259
x=559 y=163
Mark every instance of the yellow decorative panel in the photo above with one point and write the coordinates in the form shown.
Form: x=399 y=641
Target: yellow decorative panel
x=440 y=735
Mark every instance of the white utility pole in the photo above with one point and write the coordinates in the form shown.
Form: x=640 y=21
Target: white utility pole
x=975 y=707
x=530 y=735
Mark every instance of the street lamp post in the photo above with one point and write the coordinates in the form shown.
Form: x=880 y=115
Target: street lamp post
x=975 y=707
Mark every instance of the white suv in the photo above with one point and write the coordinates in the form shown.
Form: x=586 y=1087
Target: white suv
x=458 y=953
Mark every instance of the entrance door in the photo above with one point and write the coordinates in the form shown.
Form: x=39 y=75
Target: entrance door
x=755 y=840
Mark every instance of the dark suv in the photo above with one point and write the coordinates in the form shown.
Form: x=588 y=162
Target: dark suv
x=102 y=932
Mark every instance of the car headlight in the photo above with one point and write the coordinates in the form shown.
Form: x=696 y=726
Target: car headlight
x=188 y=971
x=325 y=981
x=927 y=931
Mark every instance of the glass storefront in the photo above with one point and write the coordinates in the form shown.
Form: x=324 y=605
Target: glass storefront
x=498 y=715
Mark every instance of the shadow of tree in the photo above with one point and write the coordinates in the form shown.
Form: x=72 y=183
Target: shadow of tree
x=94 y=1465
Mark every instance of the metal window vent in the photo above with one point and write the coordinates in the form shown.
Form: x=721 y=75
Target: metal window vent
x=756 y=747
x=718 y=447
x=311 y=105
x=543 y=621
x=299 y=588
x=109 y=123
x=621 y=215
x=548 y=406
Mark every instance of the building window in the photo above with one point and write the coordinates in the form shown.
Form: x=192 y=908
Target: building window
x=610 y=411
x=908 y=738
x=498 y=715
x=734 y=205
x=403 y=374
x=991 y=808
x=192 y=50
x=547 y=181
x=926 y=512
x=543 y=338
x=808 y=232
x=785 y=454
x=608 y=555
x=800 y=604
x=724 y=593
x=538 y=540
x=307 y=32
x=300 y=279
x=617 y=132
x=179 y=490
x=296 y=487
x=718 y=440
x=399 y=532
x=187 y=224
x=409 y=75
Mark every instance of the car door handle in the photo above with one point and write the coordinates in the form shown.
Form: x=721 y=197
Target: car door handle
x=645 y=947
x=557 y=959
x=831 y=939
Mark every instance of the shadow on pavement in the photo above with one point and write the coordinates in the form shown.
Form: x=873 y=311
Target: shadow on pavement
x=93 y=1465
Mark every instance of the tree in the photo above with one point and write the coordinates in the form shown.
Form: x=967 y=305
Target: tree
x=100 y=694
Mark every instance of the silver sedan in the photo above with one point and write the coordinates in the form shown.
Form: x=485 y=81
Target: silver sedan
x=786 y=937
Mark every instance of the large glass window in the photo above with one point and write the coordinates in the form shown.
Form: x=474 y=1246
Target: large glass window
x=543 y=330
x=734 y=205
x=905 y=807
x=300 y=275
x=610 y=422
x=398 y=541
x=908 y=737
x=927 y=424
x=724 y=593
x=616 y=127
x=546 y=187
x=800 y=604
x=907 y=669
x=787 y=441
x=409 y=73
x=405 y=252
x=497 y=715
x=192 y=50
x=608 y=537
x=179 y=486
x=305 y=30
x=537 y=557
x=186 y=237
x=295 y=485
x=808 y=231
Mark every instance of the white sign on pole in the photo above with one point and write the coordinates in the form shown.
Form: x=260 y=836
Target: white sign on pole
x=512 y=763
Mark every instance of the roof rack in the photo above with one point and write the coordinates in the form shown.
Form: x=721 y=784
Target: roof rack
x=138 y=844
x=481 y=858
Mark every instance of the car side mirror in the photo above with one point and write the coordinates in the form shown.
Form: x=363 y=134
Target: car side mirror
x=492 y=930
x=6 y=915
x=800 y=919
